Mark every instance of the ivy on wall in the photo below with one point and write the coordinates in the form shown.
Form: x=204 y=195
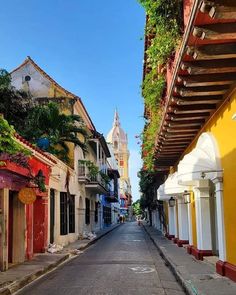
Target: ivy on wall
x=164 y=24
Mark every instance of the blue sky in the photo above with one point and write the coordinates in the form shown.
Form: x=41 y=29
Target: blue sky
x=90 y=47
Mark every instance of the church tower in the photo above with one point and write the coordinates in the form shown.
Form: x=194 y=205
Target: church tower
x=118 y=138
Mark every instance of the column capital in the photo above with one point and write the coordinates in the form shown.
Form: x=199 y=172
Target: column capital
x=203 y=187
x=218 y=179
x=218 y=182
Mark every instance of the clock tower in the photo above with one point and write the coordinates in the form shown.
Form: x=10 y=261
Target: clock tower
x=119 y=140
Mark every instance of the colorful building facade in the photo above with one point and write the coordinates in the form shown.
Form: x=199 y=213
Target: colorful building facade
x=24 y=221
x=196 y=143
x=70 y=215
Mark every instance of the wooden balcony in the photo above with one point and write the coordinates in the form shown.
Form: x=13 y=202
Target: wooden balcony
x=201 y=79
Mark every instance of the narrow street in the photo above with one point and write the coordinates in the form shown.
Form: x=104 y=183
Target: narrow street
x=123 y=262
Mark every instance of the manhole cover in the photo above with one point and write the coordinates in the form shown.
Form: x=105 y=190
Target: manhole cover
x=142 y=269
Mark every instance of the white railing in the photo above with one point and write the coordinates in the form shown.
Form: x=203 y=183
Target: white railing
x=83 y=170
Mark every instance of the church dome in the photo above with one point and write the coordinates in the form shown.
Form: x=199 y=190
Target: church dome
x=116 y=133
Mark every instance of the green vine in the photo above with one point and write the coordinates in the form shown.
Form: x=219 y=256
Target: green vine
x=163 y=29
x=105 y=177
x=8 y=144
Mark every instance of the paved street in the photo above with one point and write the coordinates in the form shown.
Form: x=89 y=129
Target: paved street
x=123 y=262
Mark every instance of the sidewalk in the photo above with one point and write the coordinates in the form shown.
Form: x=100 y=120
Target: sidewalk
x=20 y=275
x=197 y=277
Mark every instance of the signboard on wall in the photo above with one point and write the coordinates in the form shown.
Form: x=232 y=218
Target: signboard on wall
x=27 y=195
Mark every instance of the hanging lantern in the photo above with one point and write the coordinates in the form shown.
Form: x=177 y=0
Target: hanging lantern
x=186 y=196
x=171 y=202
x=27 y=195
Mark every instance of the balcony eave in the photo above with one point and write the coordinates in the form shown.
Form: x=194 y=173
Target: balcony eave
x=97 y=188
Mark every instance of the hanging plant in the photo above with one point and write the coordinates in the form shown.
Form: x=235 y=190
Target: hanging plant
x=8 y=144
x=105 y=177
x=163 y=29
x=39 y=181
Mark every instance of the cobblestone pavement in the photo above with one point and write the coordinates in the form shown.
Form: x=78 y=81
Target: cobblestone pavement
x=123 y=262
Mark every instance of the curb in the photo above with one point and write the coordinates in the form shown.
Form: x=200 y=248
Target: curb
x=188 y=288
x=19 y=284
x=97 y=238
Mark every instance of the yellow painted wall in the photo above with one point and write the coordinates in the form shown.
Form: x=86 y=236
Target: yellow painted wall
x=223 y=128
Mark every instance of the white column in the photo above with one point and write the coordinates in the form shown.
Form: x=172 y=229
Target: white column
x=183 y=220
x=203 y=218
x=220 y=218
x=176 y=221
x=57 y=218
x=190 y=223
x=98 y=153
x=171 y=220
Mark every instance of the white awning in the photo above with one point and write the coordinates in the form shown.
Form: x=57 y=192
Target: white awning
x=203 y=162
x=161 y=195
x=172 y=187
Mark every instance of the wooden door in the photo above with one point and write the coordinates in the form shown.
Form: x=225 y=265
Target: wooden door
x=10 y=227
x=52 y=215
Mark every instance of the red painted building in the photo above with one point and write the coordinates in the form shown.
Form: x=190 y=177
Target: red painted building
x=24 y=227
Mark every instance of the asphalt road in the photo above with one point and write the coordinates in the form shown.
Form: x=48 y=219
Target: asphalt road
x=123 y=262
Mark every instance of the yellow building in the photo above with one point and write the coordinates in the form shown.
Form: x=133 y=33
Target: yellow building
x=197 y=137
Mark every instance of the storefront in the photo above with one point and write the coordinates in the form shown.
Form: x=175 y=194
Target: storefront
x=23 y=208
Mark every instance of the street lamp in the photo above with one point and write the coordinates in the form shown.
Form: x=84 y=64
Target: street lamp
x=171 y=202
x=186 y=196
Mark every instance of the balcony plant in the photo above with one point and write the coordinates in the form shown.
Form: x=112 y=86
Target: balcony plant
x=92 y=168
x=105 y=178
x=163 y=31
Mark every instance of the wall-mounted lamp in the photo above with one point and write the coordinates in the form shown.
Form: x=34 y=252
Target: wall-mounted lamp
x=171 y=202
x=186 y=196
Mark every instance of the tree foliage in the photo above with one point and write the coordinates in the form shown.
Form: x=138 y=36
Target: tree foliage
x=147 y=187
x=14 y=104
x=60 y=129
x=10 y=149
x=137 y=210
x=8 y=143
